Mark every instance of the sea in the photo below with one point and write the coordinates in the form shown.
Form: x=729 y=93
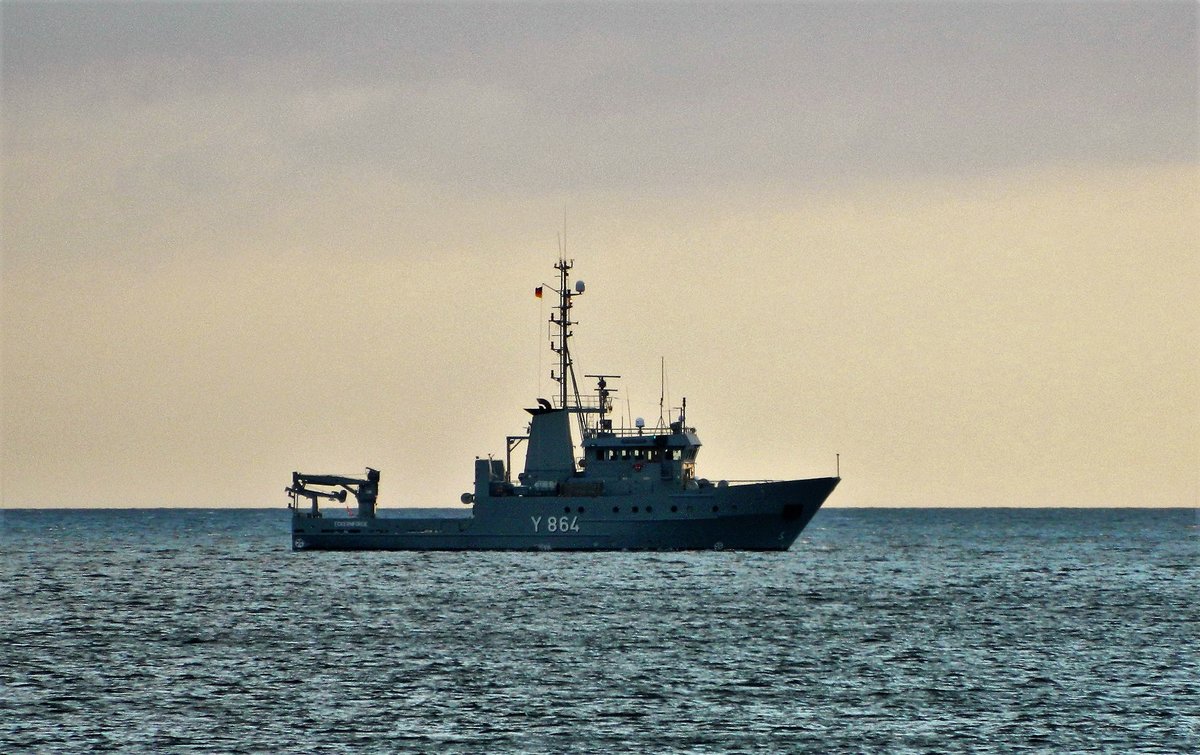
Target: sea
x=880 y=631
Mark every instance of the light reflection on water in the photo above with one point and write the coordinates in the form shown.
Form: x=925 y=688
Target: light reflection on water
x=881 y=630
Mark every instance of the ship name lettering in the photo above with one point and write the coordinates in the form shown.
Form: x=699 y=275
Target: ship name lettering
x=556 y=524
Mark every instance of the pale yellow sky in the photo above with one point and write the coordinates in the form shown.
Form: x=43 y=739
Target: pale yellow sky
x=955 y=244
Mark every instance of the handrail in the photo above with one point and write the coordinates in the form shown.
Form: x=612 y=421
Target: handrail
x=628 y=432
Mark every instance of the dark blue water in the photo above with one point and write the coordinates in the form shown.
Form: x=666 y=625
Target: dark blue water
x=880 y=631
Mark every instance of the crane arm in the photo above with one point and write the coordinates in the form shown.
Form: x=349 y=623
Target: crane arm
x=365 y=491
x=302 y=479
x=312 y=495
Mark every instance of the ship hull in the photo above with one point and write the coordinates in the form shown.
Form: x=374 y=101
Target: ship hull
x=765 y=516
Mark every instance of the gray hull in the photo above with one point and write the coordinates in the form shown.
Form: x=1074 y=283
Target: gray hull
x=760 y=516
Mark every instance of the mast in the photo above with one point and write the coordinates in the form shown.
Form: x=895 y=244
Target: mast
x=560 y=343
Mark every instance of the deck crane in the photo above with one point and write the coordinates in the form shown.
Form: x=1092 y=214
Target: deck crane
x=365 y=491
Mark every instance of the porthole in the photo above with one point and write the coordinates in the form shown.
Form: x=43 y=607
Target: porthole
x=616 y=509
x=566 y=509
x=635 y=509
x=648 y=509
x=674 y=509
x=716 y=509
x=579 y=510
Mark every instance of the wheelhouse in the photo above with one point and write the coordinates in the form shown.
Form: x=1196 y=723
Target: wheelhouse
x=616 y=454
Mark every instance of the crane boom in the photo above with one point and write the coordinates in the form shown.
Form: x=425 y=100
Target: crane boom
x=364 y=490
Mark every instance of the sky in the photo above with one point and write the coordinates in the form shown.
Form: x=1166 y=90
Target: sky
x=950 y=247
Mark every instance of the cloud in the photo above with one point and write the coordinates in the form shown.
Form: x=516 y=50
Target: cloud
x=938 y=239
x=553 y=99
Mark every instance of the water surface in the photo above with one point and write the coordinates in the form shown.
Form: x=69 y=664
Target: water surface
x=1051 y=630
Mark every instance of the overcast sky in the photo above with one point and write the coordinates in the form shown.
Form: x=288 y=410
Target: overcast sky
x=954 y=243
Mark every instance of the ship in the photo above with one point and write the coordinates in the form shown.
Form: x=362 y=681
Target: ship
x=626 y=488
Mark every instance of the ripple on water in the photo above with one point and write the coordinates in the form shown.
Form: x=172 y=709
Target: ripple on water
x=884 y=631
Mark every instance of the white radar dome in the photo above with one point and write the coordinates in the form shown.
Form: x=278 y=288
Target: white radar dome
x=639 y=422
x=579 y=287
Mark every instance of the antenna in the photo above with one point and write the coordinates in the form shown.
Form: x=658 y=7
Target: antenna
x=662 y=388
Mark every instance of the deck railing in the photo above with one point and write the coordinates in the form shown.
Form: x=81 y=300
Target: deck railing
x=629 y=432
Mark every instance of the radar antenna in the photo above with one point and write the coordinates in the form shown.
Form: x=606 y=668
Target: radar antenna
x=604 y=402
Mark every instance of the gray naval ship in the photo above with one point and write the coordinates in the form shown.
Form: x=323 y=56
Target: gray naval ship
x=630 y=489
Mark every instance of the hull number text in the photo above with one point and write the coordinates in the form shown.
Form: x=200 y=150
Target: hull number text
x=555 y=523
